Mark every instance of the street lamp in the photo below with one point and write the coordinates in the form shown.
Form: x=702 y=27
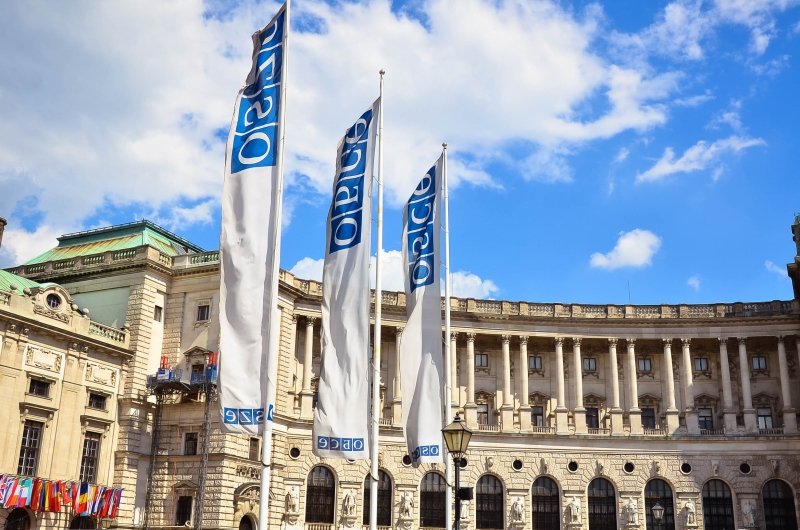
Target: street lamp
x=456 y=437
x=658 y=512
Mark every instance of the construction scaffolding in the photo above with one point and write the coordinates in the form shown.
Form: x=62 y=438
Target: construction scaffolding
x=166 y=385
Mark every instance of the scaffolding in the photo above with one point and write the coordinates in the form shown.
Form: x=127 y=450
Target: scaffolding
x=172 y=383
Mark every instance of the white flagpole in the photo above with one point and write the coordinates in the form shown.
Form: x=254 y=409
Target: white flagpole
x=266 y=438
x=376 y=347
x=447 y=353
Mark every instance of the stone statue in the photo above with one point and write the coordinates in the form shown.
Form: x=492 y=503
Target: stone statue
x=690 y=512
x=464 y=510
x=631 y=512
x=406 y=505
x=574 y=511
x=748 y=513
x=517 y=511
x=349 y=504
x=292 y=501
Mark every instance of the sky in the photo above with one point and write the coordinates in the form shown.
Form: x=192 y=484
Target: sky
x=599 y=152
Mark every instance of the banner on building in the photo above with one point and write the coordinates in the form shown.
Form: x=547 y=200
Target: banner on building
x=421 y=363
x=341 y=417
x=250 y=238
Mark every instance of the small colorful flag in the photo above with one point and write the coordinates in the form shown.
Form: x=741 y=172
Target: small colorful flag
x=83 y=499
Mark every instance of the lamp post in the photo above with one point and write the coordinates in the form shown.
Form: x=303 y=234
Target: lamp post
x=456 y=437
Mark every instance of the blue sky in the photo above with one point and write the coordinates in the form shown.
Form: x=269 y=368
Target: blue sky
x=600 y=152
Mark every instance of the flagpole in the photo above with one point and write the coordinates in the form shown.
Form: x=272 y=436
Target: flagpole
x=376 y=347
x=274 y=331
x=447 y=401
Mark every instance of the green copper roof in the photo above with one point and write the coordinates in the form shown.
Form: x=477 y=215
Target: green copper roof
x=7 y=280
x=119 y=237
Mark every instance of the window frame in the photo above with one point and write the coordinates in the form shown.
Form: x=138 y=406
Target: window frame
x=644 y=365
x=203 y=312
x=183 y=514
x=760 y=416
x=704 y=419
x=482 y=360
x=761 y=361
x=540 y=415
x=535 y=363
x=190 y=445
x=432 y=505
x=158 y=313
x=698 y=363
x=94 y=396
x=30 y=447
x=589 y=365
x=33 y=388
x=650 y=415
x=90 y=456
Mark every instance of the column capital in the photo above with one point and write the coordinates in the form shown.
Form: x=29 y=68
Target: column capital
x=454 y=335
x=505 y=339
x=398 y=330
x=686 y=341
x=311 y=321
x=613 y=341
x=742 y=340
x=470 y=337
x=523 y=339
x=780 y=339
x=631 y=341
x=576 y=341
x=667 y=341
x=559 y=340
x=723 y=340
x=294 y=319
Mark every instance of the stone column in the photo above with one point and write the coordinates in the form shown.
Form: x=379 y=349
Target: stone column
x=561 y=407
x=470 y=408
x=579 y=412
x=454 y=388
x=307 y=395
x=507 y=408
x=397 y=382
x=672 y=410
x=727 y=395
x=747 y=397
x=634 y=412
x=789 y=413
x=524 y=407
x=613 y=376
x=689 y=413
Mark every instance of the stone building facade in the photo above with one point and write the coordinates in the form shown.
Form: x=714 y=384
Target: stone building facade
x=585 y=416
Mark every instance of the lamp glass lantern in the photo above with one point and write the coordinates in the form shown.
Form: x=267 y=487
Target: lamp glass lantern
x=456 y=437
x=658 y=512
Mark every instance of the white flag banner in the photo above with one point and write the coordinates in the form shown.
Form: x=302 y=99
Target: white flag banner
x=250 y=239
x=421 y=363
x=341 y=417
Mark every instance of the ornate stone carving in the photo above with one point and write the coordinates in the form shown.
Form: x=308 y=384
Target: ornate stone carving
x=348 y=510
x=572 y=513
x=631 y=513
x=292 y=515
x=49 y=313
x=748 y=513
x=101 y=375
x=46 y=360
x=405 y=510
x=516 y=515
x=690 y=514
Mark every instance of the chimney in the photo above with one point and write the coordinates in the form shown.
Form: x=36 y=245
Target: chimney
x=2 y=227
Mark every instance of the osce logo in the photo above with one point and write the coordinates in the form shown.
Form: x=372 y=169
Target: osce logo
x=425 y=450
x=348 y=192
x=340 y=444
x=257 y=118
x=420 y=232
x=243 y=416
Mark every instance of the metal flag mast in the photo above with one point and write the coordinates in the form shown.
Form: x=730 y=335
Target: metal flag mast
x=447 y=401
x=274 y=331
x=376 y=346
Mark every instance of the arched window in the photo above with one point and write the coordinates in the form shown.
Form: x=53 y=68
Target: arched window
x=18 y=519
x=83 y=522
x=432 y=506
x=246 y=523
x=602 y=505
x=320 y=495
x=384 y=499
x=658 y=492
x=489 y=503
x=779 y=513
x=717 y=505
x=544 y=504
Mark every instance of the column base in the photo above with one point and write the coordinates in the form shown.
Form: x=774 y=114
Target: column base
x=673 y=421
x=525 y=418
x=750 y=423
x=692 y=427
x=789 y=421
x=471 y=415
x=306 y=405
x=579 y=418
x=397 y=412
x=561 y=421
x=635 y=420
x=617 y=423
x=730 y=420
x=507 y=418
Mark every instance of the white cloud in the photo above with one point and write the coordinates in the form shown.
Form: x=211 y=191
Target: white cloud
x=693 y=101
x=694 y=282
x=136 y=95
x=696 y=158
x=465 y=284
x=776 y=269
x=756 y=15
x=633 y=249
x=622 y=155
x=19 y=245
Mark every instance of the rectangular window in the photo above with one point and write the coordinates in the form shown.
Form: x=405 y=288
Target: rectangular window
x=764 y=417
x=97 y=401
x=29 y=448
x=534 y=362
x=38 y=387
x=183 y=511
x=91 y=456
x=481 y=360
x=203 y=313
x=255 y=454
x=537 y=416
x=483 y=413
x=705 y=418
x=158 y=313
x=701 y=364
x=759 y=362
x=190 y=443
x=589 y=364
x=648 y=418
x=645 y=365
x=198 y=374
x=593 y=417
